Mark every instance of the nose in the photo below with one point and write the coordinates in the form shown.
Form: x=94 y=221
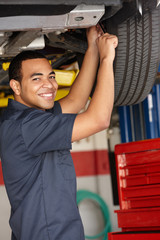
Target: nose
x=47 y=83
x=50 y=83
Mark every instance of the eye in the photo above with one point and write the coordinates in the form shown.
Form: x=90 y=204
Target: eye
x=52 y=77
x=36 y=79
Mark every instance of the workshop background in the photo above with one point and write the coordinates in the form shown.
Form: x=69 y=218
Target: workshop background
x=94 y=161
x=118 y=170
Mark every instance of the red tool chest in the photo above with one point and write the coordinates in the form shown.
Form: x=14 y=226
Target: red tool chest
x=134 y=236
x=138 y=177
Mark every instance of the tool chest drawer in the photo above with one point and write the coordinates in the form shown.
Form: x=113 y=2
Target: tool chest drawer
x=137 y=158
x=140 y=169
x=141 y=191
x=144 y=202
x=134 y=236
x=139 y=218
x=138 y=180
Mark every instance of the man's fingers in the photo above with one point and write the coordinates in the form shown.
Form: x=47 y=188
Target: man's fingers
x=116 y=42
x=99 y=30
x=107 y=36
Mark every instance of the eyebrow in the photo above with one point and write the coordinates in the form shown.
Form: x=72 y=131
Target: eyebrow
x=36 y=74
x=41 y=74
x=52 y=73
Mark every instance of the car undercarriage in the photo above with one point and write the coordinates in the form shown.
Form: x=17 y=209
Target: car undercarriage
x=57 y=25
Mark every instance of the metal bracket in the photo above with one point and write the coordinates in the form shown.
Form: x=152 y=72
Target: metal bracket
x=24 y=40
x=82 y=16
x=85 y=16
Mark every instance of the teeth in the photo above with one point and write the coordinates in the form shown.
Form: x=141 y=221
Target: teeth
x=47 y=95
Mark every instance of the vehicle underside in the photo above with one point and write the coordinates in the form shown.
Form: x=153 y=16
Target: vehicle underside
x=59 y=26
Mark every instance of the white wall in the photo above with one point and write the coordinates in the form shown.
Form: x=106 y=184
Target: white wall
x=5 y=232
x=99 y=184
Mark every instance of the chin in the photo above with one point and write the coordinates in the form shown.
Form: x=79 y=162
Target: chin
x=49 y=106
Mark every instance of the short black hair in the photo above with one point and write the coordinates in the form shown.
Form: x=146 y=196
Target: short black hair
x=16 y=63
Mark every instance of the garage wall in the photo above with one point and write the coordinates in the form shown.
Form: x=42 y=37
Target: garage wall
x=91 y=162
x=5 y=232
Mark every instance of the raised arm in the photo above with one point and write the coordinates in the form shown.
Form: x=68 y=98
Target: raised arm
x=81 y=89
x=97 y=117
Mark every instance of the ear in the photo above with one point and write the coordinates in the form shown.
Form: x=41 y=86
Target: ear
x=15 y=85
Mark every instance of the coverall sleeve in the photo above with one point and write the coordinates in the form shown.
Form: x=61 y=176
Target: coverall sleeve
x=46 y=131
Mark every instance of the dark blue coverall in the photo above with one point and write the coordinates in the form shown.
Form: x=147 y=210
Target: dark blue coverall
x=39 y=174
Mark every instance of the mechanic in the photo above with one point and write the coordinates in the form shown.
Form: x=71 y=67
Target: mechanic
x=36 y=136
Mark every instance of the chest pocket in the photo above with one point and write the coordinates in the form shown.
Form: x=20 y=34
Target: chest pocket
x=66 y=164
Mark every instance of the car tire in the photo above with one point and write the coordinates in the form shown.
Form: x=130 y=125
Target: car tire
x=137 y=57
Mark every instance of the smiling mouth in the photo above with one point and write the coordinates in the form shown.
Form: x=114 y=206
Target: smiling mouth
x=48 y=96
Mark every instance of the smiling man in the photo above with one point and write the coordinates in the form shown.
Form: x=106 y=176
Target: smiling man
x=38 y=87
x=36 y=136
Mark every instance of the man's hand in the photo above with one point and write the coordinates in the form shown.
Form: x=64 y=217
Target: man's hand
x=93 y=33
x=106 y=45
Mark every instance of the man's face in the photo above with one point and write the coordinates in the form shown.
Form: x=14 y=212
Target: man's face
x=38 y=87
